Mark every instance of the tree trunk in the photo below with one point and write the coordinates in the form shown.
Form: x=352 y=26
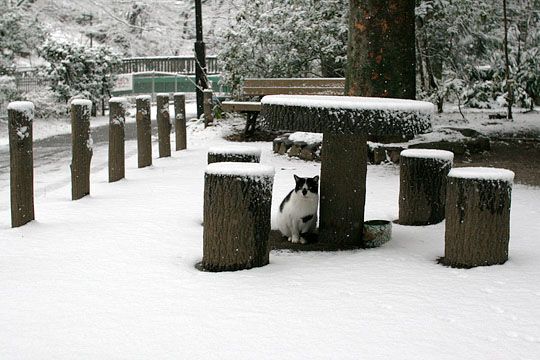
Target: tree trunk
x=343 y=177
x=422 y=191
x=510 y=95
x=180 y=118
x=381 y=53
x=144 y=131
x=208 y=107
x=21 y=164
x=477 y=219
x=164 y=125
x=236 y=217
x=117 y=120
x=81 y=143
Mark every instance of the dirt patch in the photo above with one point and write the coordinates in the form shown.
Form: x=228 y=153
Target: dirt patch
x=520 y=156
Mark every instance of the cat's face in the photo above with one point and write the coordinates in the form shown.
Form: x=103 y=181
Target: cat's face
x=306 y=186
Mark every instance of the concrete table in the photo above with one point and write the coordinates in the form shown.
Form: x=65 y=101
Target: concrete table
x=345 y=122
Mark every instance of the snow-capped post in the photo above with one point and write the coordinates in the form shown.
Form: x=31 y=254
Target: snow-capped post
x=345 y=122
x=21 y=162
x=237 y=203
x=81 y=144
x=144 y=131
x=117 y=121
x=180 y=120
x=208 y=107
x=234 y=153
x=164 y=125
x=422 y=190
x=477 y=217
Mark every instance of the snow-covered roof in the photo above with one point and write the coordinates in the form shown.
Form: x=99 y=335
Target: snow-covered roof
x=240 y=169
x=482 y=173
x=350 y=102
x=429 y=154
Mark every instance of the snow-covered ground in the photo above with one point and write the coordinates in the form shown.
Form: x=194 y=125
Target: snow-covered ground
x=112 y=276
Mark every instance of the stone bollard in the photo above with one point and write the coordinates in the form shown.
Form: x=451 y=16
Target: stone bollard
x=237 y=203
x=144 y=131
x=234 y=153
x=81 y=144
x=477 y=217
x=422 y=190
x=164 y=125
x=208 y=107
x=180 y=120
x=117 y=121
x=21 y=162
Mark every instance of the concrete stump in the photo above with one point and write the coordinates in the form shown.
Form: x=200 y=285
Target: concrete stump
x=21 y=161
x=180 y=121
x=81 y=144
x=237 y=203
x=422 y=190
x=117 y=122
x=233 y=153
x=164 y=125
x=477 y=217
x=144 y=131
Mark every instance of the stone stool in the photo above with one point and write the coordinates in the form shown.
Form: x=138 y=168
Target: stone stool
x=234 y=153
x=422 y=190
x=477 y=217
x=237 y=202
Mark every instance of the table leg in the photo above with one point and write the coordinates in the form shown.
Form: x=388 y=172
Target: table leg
x=343 y=189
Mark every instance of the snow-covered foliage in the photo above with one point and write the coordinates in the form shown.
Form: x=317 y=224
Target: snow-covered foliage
x=46 y=103
x=277 y=38
x=461 y=55
x=78 y=70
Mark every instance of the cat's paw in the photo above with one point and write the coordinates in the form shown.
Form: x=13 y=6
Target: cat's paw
x=289 y=239
x=303 y=241
x=295 y=240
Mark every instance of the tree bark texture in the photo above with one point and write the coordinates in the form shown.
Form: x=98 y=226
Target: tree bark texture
x=381 y=51
x=117 y=120
x=144 y=132
x=343 y=189
x=236 y=222
x=345 y=121
x=208 y=107
x=477 y=222
x=81 y=144
x=180 y=119
x=232 y=157
x=21 y=166
x=422 y=190
x=164 y=125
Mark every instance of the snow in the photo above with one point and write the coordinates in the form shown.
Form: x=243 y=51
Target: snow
x=118 y=99
x=112 y=276
x=235 y=149
x=143 y=97
x=240 y=169
x=482 y=173
x=350 y=102
x=81 y=102
x=25 y=107
x=428 y=154
x=307 y=137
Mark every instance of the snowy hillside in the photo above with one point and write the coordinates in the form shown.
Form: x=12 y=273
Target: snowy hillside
x=135 y=28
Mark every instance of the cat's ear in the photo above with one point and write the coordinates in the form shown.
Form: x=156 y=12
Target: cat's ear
x=296 y=178
x=316 y=179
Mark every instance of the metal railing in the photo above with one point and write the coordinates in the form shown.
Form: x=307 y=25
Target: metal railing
x=169 y=64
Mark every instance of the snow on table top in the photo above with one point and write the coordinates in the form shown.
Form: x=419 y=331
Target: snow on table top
x=21 y=106
x=429 y=154
x=81 y=102
x=482 y=173
x=350 y=102
x=240 y=169
x=235 y=149
x=118 y=99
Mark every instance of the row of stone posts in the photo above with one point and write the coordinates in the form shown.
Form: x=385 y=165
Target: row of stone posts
x=21 y=115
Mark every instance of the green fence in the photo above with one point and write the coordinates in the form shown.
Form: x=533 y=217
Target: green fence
x=158 y=82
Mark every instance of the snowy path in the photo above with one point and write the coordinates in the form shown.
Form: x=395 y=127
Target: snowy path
x=111 y=276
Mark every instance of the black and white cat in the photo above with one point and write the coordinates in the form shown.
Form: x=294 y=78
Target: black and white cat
x=298 y=211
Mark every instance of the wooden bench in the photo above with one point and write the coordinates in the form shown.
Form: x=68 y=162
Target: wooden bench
x=258 y=88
